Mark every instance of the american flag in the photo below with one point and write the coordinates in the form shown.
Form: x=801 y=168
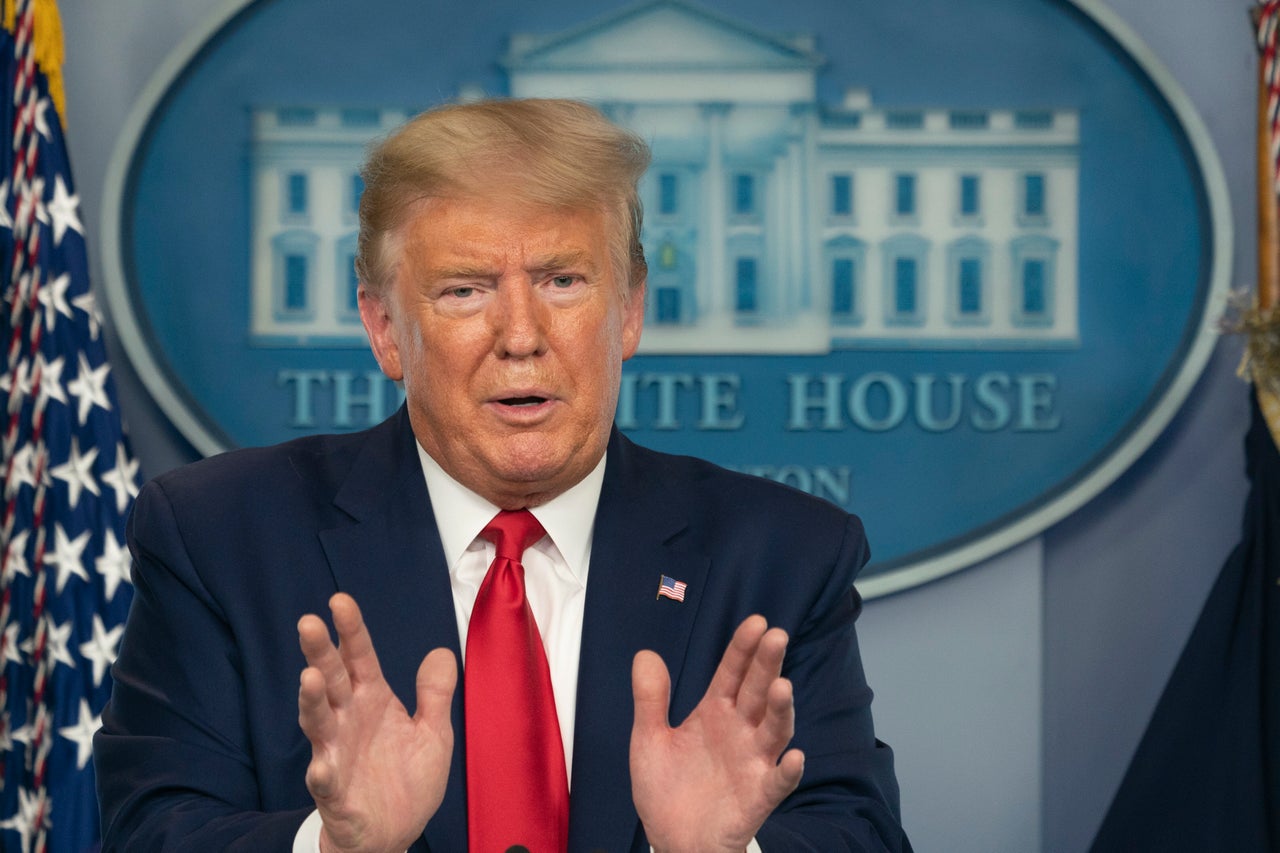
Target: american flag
x=671 y=588
x=68 y=474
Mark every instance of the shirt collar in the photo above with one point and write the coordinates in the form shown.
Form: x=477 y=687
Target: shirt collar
x=461 y=514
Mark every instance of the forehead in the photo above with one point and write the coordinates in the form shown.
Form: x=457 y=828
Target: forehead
x=495 y=228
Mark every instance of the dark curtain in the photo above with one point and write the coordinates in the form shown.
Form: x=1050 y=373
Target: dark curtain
x=1206 y=776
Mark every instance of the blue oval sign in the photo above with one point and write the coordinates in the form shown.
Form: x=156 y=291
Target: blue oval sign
x=946 y=263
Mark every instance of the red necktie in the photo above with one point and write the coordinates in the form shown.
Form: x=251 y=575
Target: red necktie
x=517 y=789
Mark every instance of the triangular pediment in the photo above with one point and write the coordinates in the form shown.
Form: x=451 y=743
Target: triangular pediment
x=662 y=34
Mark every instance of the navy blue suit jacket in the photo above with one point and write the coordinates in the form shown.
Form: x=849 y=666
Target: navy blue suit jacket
x=200 y=747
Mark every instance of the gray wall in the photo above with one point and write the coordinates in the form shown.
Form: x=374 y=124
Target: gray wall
x=1014 y=692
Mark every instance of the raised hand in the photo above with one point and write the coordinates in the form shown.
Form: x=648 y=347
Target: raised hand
x=377 y=774
x=708 y=784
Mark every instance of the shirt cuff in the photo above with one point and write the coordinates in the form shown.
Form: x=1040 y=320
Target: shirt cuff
x=753 y=847
x=307 y=839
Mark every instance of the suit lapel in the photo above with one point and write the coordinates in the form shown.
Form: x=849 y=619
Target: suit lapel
x=637 y=539
x=389 y=558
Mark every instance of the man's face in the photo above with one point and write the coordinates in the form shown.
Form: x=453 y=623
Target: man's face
x=509 y=329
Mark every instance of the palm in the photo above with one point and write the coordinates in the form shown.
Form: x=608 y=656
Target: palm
x=377 y=774
x=709 y=783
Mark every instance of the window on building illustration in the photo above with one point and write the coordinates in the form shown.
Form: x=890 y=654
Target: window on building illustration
x=1034 y=302
x=970 y=287
x=842 y=195
x=904 y=286
x=294 y=276
x=361 y=117
x=667 y=256
x=668 y=193
x=968 y=119
x=745 y=277
x=744 y=194
x=295 y=283
x=904 y=196
x=296 y=116
x=1033 y=119
x=296 y=192
x=904 y=120
x=843 y=288
x=1033 y=262
x=969 y=195
x=1033 y=195
x=668 y=305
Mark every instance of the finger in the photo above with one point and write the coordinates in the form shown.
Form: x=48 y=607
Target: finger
x=323 y=656
x=437 y=679
x=779 y=723
x=321 y=780
x=762 y=672
x=651 y=690
x=315 y=715
x=354 y=643
x=785 y=778
x=727 y=680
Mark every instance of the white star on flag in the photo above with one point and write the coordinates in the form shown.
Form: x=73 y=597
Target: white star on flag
x=50 y=381
x=82 y=733
x=86 y=303
x=102 y=649
x=22 y=470
x=114 y=565
x=123 y=478
x=11 y=650
x=67 y=556
x=53 y=296
x=63 y=209
x=15 y=562
x=17 y=381
x=77 y=472
x=5 y=220
x=57 y=645
x=90 y=387
x=41 y=119
x=30 y=806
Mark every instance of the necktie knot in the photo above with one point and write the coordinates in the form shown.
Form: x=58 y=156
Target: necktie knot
x=512 y=532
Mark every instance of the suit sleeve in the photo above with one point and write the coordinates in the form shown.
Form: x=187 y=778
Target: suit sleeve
x=848 y=797
x=174 y=758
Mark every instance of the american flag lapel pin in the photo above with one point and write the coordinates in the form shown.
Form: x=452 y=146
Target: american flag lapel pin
x=671 y=588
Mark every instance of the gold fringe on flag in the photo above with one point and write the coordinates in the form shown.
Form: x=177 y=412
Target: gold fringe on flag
x=47 y=35
x=1261 y=364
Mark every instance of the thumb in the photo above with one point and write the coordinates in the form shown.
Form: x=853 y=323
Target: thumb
x=437 y=678
x=651 y=689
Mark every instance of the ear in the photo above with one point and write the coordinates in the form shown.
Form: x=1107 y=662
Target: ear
x=375 y=314
x=633 y=320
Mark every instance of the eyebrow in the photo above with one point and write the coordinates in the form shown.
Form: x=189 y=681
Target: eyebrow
x=540 y=265
x=563 y=260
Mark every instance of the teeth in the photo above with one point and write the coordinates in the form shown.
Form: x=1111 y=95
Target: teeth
x=522 y=401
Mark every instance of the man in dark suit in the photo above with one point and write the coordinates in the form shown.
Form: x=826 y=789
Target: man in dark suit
x=502 y=281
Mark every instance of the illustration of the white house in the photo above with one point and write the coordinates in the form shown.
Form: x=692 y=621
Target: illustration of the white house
x=774 y=223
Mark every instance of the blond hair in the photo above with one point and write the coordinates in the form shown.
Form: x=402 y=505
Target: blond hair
x=552 y=153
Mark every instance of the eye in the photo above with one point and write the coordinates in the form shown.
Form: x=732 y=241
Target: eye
x=463 y=292
x=563 y=281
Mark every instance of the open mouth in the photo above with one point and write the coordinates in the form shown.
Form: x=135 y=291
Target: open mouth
x=522 y=401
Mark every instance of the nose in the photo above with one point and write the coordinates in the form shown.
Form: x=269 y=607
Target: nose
x=518 y=319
